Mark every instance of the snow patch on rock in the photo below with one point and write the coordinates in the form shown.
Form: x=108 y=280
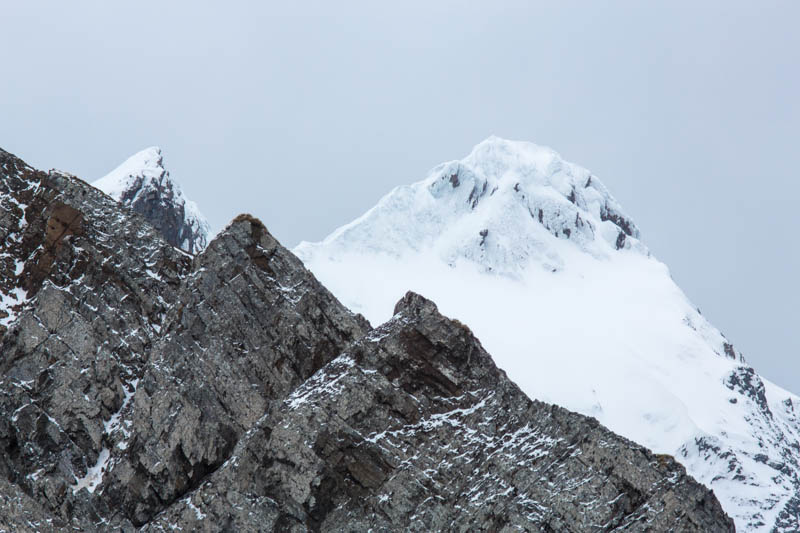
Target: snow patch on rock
x=94 y=474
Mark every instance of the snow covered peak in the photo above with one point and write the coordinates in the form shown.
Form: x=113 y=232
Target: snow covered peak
x=505 y=205
x=495 y=158
x=581 y=316
x=143 y=168
x=143 y=184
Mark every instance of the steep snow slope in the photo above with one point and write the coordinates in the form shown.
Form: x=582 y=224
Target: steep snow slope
x=143 y=184
x=534 y=254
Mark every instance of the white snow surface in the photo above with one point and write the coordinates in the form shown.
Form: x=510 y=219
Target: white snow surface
x=526 y=249
x=94 y=474
x=144 y=171
x=7 y=302
x=147 y=164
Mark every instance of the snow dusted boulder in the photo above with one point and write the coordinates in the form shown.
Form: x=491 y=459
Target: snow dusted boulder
x=143 y=184
x=536 y=256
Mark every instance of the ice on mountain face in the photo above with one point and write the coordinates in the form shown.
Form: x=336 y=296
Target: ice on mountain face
x=535 y=255
x=143 y=184
x=476 y=209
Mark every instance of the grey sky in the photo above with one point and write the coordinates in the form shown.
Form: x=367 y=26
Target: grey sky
x=688 y=111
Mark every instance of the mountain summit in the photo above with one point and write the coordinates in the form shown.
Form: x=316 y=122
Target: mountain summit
x=538 y=258
x=502 y=208
x=143 y=184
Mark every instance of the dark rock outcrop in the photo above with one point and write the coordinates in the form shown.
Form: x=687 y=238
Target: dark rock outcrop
x=95 y=283
x=249 y=326
x=414 y=428
x=143 y=389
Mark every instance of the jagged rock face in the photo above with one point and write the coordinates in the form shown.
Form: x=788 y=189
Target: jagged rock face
x=144 y=185
x=20 y=512
x=143 y=389
x=414 y=428
x=94 y=284
x=250 y=325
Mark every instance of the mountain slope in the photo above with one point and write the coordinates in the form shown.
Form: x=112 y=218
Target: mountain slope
x=141 y=389
x=94 y=283
x=143 y=184
x=537 y=257
x=413 y=428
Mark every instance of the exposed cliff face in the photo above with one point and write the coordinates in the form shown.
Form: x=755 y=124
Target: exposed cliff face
x=94 y=284
x=144 y=185
x=414 y=428
x=250 y=325
x=143 y=389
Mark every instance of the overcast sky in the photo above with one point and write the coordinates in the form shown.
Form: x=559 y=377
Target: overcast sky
x=688 y=111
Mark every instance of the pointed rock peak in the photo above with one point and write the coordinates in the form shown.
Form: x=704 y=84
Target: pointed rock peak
x=248 y=230
x=144 y=185
x=444 y=342
x=244 y=234
x=246 y=219
x=414 y=304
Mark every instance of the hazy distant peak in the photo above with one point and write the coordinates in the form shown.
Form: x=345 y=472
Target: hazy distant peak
x=146 y=165
x=143 y=184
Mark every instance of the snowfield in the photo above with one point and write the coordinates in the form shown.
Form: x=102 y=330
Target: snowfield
x=539 y=260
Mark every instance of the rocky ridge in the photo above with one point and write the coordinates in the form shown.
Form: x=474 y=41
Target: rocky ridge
x=143 y=389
